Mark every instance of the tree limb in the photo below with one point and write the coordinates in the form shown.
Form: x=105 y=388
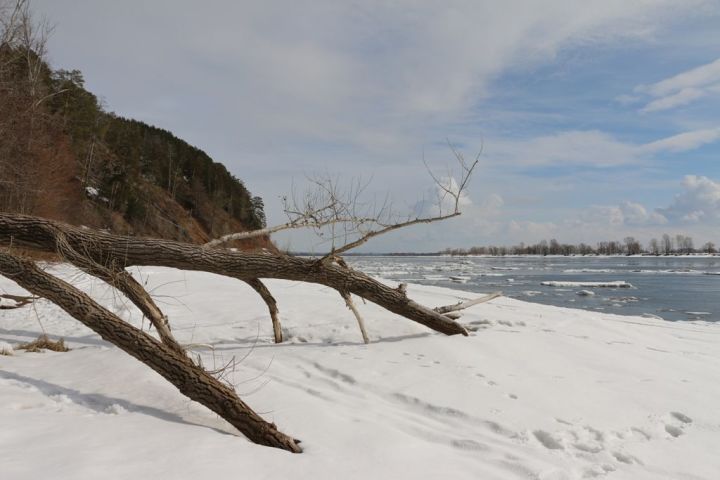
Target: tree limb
x=125 y=251
x=118 y=278
x=361 y=323
x=271 y=303
x=374 y=233
x=191 y=380
x=463 y=305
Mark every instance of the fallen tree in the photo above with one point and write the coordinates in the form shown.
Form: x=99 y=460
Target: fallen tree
x=176 y=367
x=123 y=251
x=107 y=256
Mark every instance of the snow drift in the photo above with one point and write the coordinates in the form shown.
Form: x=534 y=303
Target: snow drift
x=535 y=392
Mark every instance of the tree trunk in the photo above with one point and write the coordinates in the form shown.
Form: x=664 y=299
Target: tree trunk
x=191 y=380
x=105 y=248
x=119 y=278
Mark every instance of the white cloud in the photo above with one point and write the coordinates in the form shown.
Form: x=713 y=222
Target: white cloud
x=376 y=75
x=636 y=214
x=697 y=77
x=593 y=148
x=590 y=148
x=696 y=210
x=625 y=214
x=277 y=88
x=699 y=201
x=683 y=97
x=683 y=141
x=628 y=99
x=491 y=205
x=437 y=201
x=683 y=88
x=532 y=231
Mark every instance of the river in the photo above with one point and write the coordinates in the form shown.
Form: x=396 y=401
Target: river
x=673 y=288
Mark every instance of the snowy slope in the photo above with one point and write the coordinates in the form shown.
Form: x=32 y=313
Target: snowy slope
x=535 y=392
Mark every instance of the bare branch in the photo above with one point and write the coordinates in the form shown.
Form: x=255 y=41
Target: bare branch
x=463 y=305
x=361 y=323
x=374 y=233
x=325 y=205
x=271 y=303
x=448 y=189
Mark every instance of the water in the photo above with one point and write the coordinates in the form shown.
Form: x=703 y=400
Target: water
x=674 y=288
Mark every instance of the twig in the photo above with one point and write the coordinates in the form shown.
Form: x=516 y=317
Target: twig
x=469 y=303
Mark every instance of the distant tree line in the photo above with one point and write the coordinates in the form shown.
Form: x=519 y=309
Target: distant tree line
x=666 y=245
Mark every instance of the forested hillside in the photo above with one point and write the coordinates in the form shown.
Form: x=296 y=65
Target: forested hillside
x=63 y=156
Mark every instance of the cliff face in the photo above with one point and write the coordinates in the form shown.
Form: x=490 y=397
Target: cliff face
x=62 y=156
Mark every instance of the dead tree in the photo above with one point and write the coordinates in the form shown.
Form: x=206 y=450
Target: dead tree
x=176 y=367
x=107 y=257
x=327 y=206
x=123 y=251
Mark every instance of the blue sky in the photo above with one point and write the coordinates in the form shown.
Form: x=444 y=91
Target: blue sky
x=598 y=119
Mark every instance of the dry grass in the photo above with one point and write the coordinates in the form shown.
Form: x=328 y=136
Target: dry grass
x=44 y=343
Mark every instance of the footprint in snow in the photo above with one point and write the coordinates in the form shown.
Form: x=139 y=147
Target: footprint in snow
x=675 y=422
x=682 y=417
x=625 y=458
x=547 y=440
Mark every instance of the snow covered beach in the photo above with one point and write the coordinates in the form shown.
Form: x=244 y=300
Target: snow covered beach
x=535 y=392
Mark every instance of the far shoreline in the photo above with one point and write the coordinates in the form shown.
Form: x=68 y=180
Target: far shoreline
x=514 y=255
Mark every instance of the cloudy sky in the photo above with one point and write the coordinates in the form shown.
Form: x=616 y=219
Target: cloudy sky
x=598 y=119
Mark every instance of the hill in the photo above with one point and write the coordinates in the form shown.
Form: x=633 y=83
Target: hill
x=63 y=156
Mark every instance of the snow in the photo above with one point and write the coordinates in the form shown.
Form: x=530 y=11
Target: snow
x=6 y=348
x=94 y=193
x=535 y=392
x=8 y=303
x=460 y=278
x=585 y=293
x=616 y=284
x=588 y=270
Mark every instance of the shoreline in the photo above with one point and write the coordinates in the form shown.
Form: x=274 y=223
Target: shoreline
x=692 y=255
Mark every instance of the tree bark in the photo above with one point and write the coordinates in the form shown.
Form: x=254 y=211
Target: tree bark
x=126 y=251
x=271 y=303
x=119 y=278
x=191 y=380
